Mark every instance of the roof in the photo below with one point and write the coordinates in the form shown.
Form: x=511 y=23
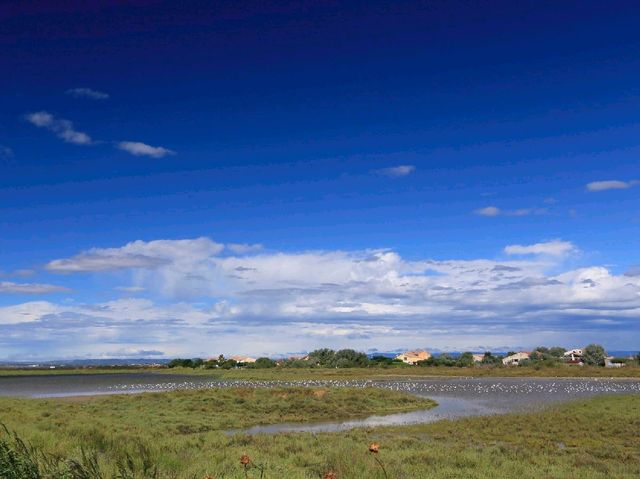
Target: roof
x=414 y=353
x=519 y=354
x=243 y=359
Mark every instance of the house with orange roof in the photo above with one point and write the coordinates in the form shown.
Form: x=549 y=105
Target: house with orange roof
x=412 y=357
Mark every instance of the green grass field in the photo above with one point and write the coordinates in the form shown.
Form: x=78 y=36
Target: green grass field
x=182 y=434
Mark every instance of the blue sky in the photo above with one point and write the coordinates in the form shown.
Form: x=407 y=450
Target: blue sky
x=194 y=179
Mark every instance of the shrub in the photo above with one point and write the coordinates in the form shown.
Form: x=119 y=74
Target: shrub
x=594 y=355
x=264 y=363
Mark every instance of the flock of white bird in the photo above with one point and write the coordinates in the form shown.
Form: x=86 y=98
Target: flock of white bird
x=438 y=387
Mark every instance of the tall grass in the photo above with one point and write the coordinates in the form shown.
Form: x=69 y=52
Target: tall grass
x=20 y=460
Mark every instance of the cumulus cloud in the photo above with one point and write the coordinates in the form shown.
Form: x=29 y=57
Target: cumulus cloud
x=596 y=186
x=307 y=299
x=137 y=254
x=87 y=93
x=552 y=248
x=62 y=128
x=137 y=148
x=30 y=288
x=396 y=171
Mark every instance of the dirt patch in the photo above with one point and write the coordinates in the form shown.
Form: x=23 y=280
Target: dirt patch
x=319 y=393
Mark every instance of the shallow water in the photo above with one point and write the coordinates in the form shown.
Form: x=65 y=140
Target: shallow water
x=456 y=397
x=448 y=408
x=464 y=397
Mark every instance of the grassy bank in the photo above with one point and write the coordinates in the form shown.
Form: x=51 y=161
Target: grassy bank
x=285 y=374
x=175 y=426
x=180 y=434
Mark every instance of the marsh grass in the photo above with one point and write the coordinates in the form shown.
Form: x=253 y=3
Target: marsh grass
x=589 y=439
x=170 y=429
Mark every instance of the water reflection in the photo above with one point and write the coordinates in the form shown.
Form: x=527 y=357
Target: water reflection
x=448 y=408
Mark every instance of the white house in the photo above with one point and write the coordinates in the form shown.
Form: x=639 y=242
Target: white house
x=608 y=363
x=515 y=359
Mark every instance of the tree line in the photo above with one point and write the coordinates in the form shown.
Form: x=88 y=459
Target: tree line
x=592 y=355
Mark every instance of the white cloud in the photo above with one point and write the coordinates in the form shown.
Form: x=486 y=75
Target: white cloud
x=30 y=288
x=596 y=186
x=137 y=148
x=26 y=312
x=488 y=211
x=307 y=299
x=396 y=171
x=552 y=248
x=87 y=93
x=137 y=254
x=62 y=128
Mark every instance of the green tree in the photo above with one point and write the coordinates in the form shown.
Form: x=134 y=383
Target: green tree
x=264 y=363
x=349 y=358
x=210 y=364
x=557 y=351
x=465 y=360
x=297 y=364
x=322 y=357
x=593 y=355
x=181 y=363
x=228 y=364
x=174 y=363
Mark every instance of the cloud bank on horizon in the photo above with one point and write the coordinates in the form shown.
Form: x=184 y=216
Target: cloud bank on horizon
x=198 y=296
